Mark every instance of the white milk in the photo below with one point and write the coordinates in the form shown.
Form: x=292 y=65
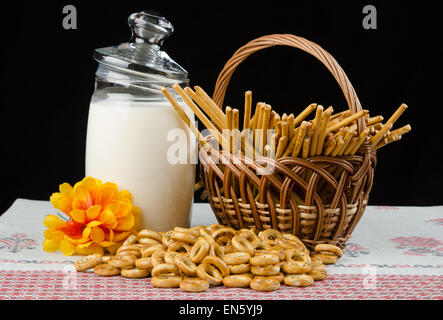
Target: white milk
x=127 y=144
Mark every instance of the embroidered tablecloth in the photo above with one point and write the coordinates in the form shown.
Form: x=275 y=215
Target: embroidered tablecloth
x=394 y=253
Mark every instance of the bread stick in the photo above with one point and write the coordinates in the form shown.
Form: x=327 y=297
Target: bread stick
x=284 y=128
x=276 y=121
x=186 y=119
x=347 y=139
x=235 y=119
x=264 y=127
x=374 y=120
x=341 y=115
x=290 y=146
x=340 y=143
x=260 y=115
x=322 y=134
x=236 y=144
x=375 y=127
x=362 y=137
x=330 y=146
x=402 y=130
x=316 y=126
x=228 y=111
x=258 y=128
x=210 y=103
x=282 y=142
x=228 y=126
x=307 y=142
x=270 y=148
x=350 y=146
x=274 y=117
x=271 y=119
x=254 y=119
x=200 y=115
x=209 y=111
x=388 y=141
x=284 y=117
x=291 y=126
x=375 y=139
x=397 y=114
x=305 y=149
x=346 y=121
x=248 y=105
x=330 y=110
x=304 y=113
x=300 y=138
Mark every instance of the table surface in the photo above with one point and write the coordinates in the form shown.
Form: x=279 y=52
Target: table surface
x=394 y=253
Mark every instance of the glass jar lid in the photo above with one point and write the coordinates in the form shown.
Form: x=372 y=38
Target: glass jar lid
x=142 y=57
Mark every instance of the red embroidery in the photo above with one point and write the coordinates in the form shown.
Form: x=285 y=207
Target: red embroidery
x=419 y=246
x=354 y=250
x=437 y=222
x=17 y=242
x=48 y=285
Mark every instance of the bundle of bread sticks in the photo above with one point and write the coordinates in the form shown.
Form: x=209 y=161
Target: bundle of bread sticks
x=266 y=133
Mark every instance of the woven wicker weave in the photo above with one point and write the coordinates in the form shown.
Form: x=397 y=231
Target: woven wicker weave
x=334 y=190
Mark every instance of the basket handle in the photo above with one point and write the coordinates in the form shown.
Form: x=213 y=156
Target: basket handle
x=293 y=41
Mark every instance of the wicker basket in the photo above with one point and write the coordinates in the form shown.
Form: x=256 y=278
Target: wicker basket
x=334 y=190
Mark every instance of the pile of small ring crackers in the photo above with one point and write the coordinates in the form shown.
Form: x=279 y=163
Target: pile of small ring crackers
x=196 y=258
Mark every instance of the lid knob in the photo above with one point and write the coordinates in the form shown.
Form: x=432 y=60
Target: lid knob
x=149 y=26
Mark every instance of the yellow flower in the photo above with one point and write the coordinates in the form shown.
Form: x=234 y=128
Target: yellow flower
x=100 y=217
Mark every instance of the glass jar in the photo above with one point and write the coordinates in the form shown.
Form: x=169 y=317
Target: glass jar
x=133 y=131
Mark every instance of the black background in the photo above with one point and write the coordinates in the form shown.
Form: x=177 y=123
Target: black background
x=47 y=76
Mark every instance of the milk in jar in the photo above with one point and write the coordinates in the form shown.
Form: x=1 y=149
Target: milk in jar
x=134 y=133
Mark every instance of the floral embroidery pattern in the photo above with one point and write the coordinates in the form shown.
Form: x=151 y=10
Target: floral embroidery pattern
x=354 y=250
x=436 y=222
x=17 y=242
x=419 y=246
